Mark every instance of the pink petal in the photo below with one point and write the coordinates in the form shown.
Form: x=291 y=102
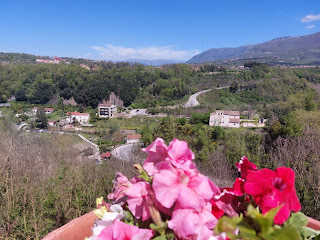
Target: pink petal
x=180 y=155
x=137 y=200
x=166 y=186
x=157 y=153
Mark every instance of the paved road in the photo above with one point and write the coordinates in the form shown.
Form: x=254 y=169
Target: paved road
x=193 y=99
x=124 y=152
x=97 y=152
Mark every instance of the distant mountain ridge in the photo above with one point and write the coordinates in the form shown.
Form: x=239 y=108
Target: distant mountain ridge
x=155 y=62
x=291 y=50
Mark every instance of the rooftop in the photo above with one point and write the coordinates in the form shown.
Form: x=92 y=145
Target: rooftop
x=226 y=112
x=234 y=120
x=105 y=155
x=134 y=136
x=77 y=114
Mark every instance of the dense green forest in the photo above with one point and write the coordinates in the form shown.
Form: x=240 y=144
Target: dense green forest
x=39 y=83
x=144 y=86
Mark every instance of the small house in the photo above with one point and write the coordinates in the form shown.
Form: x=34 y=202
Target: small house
x=82 y=118
x=106 y=155
x=135 y=138
x=51 y=123
x=48 y=110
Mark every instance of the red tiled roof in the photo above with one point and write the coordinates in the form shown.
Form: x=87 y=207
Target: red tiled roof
x=77 y=114
x=49 y=109
x=134 y=136
x=234 y=120
x=105 y=155
x=234 y=113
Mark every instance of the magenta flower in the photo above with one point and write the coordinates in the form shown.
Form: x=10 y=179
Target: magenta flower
x=227 y=201
x=120 y=186
x=189 y=188
x=191 y=224
x=157 y=152
x=271 y=189
x=180 y=156
x=138 y=199
x=244 y=166
x=123 y=231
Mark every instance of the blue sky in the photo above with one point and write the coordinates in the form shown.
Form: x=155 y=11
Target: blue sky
x=148 y=29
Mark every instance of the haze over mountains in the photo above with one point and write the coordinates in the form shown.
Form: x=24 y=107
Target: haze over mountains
x=284 y=51
x=155 y=62
x=290 y=50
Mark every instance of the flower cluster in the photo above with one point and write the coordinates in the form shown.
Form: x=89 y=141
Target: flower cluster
x=171 y=199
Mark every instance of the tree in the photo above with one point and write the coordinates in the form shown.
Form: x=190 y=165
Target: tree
x=233 y=87
x=42 y=120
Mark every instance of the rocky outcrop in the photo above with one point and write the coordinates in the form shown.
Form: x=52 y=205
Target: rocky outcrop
x=113 y=100
x=70 y=101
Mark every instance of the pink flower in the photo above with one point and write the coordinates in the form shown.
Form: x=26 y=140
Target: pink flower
x=180 y=156
x=157 y=153
x=123 y=231
x=138 y=200
x=189 y=188
x=191 y=224
x=244 y=166
x=271 y=189
x=120 y=186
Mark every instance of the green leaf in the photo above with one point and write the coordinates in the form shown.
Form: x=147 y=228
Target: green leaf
x=297 y=220
x=272 y=213
x=160 y=238
x=263 y=224
x=160 y=229
x=289 y=233
x=308 y=233
x=230 y=226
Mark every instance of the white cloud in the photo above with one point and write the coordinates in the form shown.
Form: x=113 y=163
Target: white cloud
x=118 y=53
x=311 y=26
x=310 y=18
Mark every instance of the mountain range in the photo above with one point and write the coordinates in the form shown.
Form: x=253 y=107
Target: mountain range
x=285 y=50
x=155 y=62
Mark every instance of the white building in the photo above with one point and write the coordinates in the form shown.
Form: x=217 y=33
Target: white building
x=81 y=118
x=224 y=118
x=107 y=110
x=135 y=138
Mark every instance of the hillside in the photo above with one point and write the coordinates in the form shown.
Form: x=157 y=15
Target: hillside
x=285 y=50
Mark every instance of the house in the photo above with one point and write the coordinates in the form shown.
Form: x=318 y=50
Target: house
x=107 y=110
x=48 y=110
x=82 y=118
x=225 y=118
x=51 y=123
x=34 y=110
x=106 y=155
x=135 y=138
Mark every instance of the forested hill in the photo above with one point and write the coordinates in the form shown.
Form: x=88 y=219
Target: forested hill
x=39 y=83
x=137 y=85
x=285 y=50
